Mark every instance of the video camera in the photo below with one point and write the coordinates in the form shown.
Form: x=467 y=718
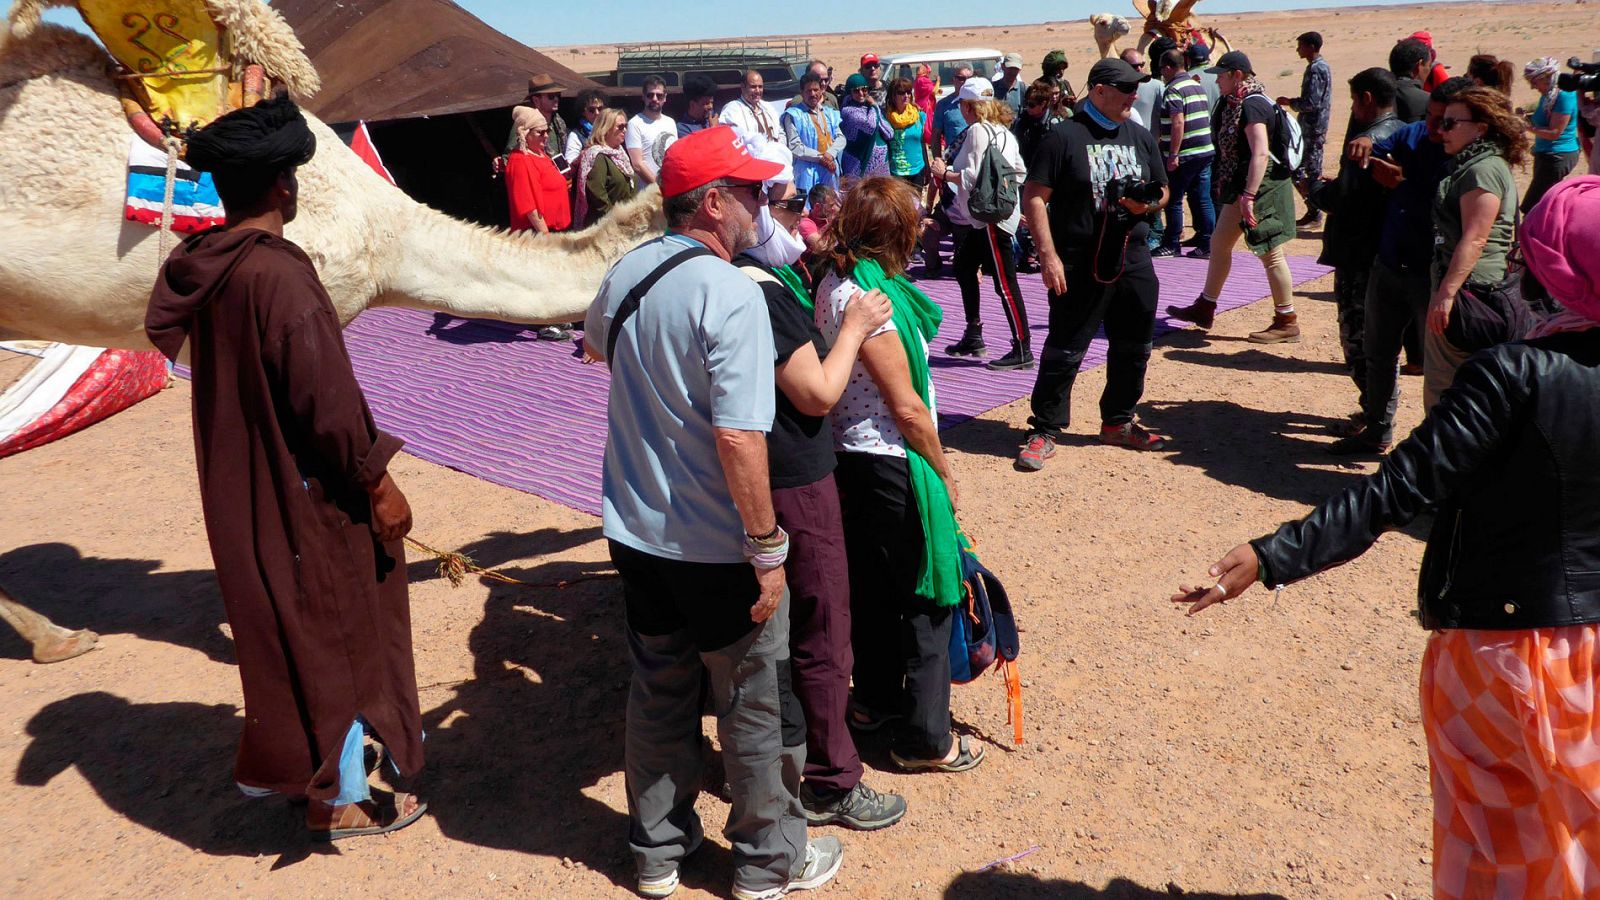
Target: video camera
x=1585 y=76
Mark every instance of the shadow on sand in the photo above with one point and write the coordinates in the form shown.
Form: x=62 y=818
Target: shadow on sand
x=1016 y=886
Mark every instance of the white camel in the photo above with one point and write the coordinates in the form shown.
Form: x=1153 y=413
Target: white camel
x=72 y=270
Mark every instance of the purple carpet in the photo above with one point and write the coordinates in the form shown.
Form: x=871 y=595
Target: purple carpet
x=484 y=398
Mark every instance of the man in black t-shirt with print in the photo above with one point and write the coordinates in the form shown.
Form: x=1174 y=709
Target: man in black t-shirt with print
x=1096 y=263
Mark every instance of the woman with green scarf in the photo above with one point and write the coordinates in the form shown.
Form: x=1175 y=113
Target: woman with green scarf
x=897 y=492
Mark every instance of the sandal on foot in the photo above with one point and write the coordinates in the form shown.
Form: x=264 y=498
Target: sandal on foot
x=964 y=760
x=380 y=815
x=866 y=719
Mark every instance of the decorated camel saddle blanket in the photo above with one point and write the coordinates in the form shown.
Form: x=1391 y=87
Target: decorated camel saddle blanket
x=195 y=204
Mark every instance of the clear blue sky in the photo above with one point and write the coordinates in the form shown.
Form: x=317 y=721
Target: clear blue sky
x=544 y=24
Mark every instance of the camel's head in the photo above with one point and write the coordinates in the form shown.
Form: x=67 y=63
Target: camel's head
x=1108 y=29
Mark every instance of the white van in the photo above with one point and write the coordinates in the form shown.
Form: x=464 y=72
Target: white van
x=944 y=63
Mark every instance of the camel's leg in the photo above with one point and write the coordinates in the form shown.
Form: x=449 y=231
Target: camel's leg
x=51 y=643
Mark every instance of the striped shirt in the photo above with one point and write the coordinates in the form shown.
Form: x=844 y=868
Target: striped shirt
x=1186 y=96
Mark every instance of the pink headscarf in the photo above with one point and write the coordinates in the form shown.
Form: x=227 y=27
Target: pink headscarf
x=1561 y=243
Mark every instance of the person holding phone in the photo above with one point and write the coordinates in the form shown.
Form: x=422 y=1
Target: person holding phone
x=536 y=187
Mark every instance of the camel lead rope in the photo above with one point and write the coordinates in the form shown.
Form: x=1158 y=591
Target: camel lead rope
x=455 y=567
x=163 y=242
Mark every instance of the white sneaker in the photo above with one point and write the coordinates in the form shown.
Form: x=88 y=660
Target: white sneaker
x=659 y=887
x=823 y=858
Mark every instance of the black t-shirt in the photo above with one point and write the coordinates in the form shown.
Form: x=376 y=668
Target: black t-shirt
x=799 y=447
x=1076 y=161
x=1257 y=109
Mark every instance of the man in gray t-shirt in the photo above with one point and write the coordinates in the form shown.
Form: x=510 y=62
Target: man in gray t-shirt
x=687 y=511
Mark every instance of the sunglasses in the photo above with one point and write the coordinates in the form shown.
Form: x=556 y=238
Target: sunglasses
x=656 y=95
x=595 y=109
x=1128 y=88
x=795 y=204
x=755 y=191
x=1449 y=123
x=959 y=77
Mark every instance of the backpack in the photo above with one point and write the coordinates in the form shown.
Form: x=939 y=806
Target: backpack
x=1287 y=143
x=994 y=195
x=983 y=634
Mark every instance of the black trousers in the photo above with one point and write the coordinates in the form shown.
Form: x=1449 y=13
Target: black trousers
x=989 y=247
x=1127 y=308
x=901 y=640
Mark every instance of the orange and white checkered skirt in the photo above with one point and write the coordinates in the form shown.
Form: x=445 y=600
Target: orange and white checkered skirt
x=1513 y=733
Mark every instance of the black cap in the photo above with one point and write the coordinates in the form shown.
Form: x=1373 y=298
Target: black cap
x=1115 y=71
x=1233 y=61
x=1197 y=53
x=1312 y=38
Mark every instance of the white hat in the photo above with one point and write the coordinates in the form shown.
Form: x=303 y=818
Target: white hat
x=774 y=152
x=976 y=88
x=1012 y=61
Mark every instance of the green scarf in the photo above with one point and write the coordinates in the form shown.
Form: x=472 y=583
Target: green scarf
x=791 y=280
x=916 y=319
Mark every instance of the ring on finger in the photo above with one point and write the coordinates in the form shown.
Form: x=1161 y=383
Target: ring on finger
x=1218 y=587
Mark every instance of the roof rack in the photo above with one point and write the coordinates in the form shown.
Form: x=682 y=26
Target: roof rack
x=646 y=54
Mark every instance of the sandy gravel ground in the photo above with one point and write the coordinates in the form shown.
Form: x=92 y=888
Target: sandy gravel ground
x=1265 y=749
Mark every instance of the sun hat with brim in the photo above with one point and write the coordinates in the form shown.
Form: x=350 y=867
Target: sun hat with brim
x=976 y=89
x=542 y=84
x=706 y=156
x=1115 y=71
x=1233 y=61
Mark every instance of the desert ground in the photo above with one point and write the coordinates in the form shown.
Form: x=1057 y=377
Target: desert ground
x=1268 y=748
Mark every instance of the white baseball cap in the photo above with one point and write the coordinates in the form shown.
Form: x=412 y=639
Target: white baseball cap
x=976 y=88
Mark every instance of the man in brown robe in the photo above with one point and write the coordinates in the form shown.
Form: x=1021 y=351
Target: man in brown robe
x=304 y=521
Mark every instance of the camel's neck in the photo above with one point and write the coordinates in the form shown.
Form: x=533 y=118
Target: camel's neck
x=441 y=264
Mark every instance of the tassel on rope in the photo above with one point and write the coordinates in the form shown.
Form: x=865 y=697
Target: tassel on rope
x=455 y=567
x=1013 y=676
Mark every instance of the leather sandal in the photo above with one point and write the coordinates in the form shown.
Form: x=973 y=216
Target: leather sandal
x=382 y=814
x=964 y=760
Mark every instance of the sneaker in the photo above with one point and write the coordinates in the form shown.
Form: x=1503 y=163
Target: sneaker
x=861 y=808
x=971 y=343
x=665 y=885
x=1037 y=449
x=1132 y=435
x=554 y=333
x=1203 y=252
x=1164 y=252
x=1366 y=442
x=823 y=856
x=1020 y=357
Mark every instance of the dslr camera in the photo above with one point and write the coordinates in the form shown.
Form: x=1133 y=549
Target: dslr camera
x=1584 y=77
x=1132 y=188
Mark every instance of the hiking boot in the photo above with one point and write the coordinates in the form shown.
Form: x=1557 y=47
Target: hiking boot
x=1020 y=357
x=1366 y=442
x=1283 y=330
x=1037 y=449
x=971 y=343
x=823 y=856
x=1310 y=219
x=1131 y=435
x=861 y=808
x=1201 y=312
x=1164 y=252
x=1413 y=369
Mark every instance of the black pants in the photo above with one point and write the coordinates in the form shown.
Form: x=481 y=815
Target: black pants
x=1548 y=170
x=989 y=247
x=1127 y=307
x=901 y=640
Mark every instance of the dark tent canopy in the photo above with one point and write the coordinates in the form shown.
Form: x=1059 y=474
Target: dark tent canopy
x=435 y=86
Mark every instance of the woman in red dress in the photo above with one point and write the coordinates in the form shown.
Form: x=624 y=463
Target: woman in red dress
x=535 y=188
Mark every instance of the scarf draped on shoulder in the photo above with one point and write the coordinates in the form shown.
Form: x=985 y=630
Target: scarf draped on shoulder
x=586 y=163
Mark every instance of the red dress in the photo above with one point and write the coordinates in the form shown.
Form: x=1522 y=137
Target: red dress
x=534 y=183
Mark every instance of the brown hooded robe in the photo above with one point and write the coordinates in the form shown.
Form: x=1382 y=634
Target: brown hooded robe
x=285 y=446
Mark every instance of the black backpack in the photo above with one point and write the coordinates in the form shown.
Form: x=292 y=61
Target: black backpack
x=995 y=194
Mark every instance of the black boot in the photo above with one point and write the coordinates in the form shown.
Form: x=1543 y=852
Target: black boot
x=971 y=343
x=1020 y=357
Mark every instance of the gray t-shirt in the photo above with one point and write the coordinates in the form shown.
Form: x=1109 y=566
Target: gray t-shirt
x=697 y=355
x=1145 y=103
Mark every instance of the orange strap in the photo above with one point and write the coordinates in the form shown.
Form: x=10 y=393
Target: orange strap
x=1013 y=677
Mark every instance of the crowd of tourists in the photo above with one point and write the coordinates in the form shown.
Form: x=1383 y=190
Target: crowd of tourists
x=776 y=498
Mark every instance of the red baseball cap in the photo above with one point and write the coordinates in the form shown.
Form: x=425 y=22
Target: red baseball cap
x=868 y=59
x=705 y=156
x=1422 y=36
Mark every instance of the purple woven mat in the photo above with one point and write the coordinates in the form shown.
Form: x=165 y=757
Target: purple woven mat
x=484 y=398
